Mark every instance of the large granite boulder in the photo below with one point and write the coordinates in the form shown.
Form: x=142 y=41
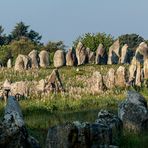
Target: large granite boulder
x=59 y=58
x=114 y=55
x=120 y=77
x=103 y=133
x=22 y=62
x=141 y=52
x=124 y=54
x=109 y=79
x=81 y=54
x=44 y=59
x=134 y=112
x=111 y=121
x=13 y=132
x=101 y=56
x=34 y=59
x=70 y=58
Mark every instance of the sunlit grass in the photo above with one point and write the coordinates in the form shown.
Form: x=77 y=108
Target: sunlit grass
x=44 y=111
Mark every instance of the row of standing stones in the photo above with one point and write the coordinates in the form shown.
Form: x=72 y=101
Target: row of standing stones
x=95 y=84
x=105 y=132
x=82 y=55
x=135 y=75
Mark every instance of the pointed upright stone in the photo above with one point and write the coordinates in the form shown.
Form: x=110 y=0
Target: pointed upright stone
x=81 y=54
x=146 y=69
x=34 y=59
x=113 y=57
x=70 y=58
x=59 y=58
x=124 y=54
x=141 y=52
x=120 y=78
x=101 y=56
x=44 y=59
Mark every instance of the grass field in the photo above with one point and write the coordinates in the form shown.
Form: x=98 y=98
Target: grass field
x=42 y=112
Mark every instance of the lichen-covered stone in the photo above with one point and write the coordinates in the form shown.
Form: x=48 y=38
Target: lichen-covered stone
x=44 y=59
x=109 y=79
x=59 y=58
x=120 y=77
x=34 y=59
x=133 y=112
x=81 y=54
x=104 y=132
x=101 y=56
x=70 y=58
x=114 y=56
x=22 y=62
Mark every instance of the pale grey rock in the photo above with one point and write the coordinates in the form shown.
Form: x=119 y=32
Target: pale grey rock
x=44 y=59
x=59 y=58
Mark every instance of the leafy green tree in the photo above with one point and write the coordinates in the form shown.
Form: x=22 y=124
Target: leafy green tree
x=22 y=30
x=34 y=36
x=92 y=40
x=5 y=54
x=22 y=46
x=53 y=46
x=2 y=37
x=132 y=40
x=1 y=30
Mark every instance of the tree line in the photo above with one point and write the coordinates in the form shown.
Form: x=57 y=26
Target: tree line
x=22 y=40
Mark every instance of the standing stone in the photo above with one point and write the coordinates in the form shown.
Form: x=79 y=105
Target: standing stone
x=20 y=88
x=101 y=56
x=54 y=83
x=138 y=74
x=9 y=63
x=70 y=58
x=146 y=69
x=135 y=73
x=120 y=78
x=141 y=52
x=7 y=85
x=44 y=59
x=13 y=132
x=124 y=54
x=95 y=83
x=59 y=58
x=40 y=86
x=22 y=62
x=111 y=121
x=81 y=54
x=109 y=79
x=133 y=112
x=91 y=58
x=34 y=59
x=132 y=70
x=113 y=57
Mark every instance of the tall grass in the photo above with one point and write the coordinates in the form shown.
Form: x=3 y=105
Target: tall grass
x=44 y=111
